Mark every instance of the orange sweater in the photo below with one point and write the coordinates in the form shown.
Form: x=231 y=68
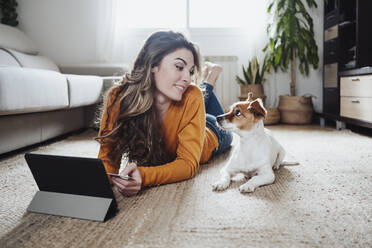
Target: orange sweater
x=185 y=135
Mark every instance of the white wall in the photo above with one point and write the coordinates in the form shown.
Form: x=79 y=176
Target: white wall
x=65 y=30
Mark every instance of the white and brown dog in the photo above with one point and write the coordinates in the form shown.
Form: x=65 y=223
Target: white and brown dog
x=257 y=153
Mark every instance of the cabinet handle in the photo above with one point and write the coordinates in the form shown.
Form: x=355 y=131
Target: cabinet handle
x=355 y=101
x=355 y=79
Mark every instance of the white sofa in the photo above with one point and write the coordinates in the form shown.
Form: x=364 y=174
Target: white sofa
x=37 y=101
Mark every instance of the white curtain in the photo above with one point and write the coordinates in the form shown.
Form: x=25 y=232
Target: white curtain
x=110 y=42
x=118 y=40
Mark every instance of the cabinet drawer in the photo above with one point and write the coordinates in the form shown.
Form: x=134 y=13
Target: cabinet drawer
x=331 y=33
x=357 y=108
x=359 y=86
x=330 y=75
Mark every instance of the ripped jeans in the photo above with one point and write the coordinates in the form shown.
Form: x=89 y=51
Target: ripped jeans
x=213 y=108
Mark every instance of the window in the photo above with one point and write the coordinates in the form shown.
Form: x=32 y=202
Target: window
x=151 y=13
x=189 y=13
x=224 y=14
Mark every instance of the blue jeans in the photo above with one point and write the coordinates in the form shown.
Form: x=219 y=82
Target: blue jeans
x=213 y=108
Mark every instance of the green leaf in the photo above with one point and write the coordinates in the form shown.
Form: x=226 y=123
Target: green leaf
x=246 y=77
x=281 y=4
x=301 y=67
x=253 y=63
x=271 y=46
x=265 y=48
x=306 y=68
x=270 y=6
x=287 y=58
x=278 y=56
x=240 y=81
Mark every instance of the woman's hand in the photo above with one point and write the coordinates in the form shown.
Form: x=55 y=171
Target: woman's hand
x=129 y=187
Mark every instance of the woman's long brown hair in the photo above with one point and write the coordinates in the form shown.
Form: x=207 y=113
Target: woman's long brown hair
x=137 y=133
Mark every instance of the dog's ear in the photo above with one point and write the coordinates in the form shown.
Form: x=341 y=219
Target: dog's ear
x=257 y=108
x=250 y=96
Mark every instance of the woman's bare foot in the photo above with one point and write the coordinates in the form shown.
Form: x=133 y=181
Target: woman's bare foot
x=211 y=72
x=205 y=72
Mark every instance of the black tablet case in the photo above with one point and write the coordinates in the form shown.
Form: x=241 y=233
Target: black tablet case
x=71 y=186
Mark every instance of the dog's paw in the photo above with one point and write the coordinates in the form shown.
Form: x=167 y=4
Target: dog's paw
x=276 y=166
x=219 y=186
x=246 y=188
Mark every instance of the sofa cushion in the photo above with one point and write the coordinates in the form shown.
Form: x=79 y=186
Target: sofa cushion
x=83 y=90
x=25 y=90
x=6 y=59
x=98 y=69
x=33 y=61
x=14 y=38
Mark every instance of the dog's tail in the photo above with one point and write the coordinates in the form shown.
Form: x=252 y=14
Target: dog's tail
x=285 y=163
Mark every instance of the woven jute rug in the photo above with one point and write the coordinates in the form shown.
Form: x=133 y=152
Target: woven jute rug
x=326 y=201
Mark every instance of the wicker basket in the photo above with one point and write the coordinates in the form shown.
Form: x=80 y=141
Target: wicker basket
x=295 y=109
x=272 y=116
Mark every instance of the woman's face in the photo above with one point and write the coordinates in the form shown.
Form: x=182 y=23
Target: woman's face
x=173 y=74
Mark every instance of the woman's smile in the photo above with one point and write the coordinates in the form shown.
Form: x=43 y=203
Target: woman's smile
x=181 y=88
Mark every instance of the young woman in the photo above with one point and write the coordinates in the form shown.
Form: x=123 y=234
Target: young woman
x=162 y=123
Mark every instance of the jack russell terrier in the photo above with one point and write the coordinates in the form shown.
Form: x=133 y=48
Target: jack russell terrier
x=257 y=153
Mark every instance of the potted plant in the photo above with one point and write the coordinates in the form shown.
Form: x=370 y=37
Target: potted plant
x=253 y=78
x=292 y=40
x=252 y=81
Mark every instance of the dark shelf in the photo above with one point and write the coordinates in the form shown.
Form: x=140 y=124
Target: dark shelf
x=354 y=72
x=348 y=53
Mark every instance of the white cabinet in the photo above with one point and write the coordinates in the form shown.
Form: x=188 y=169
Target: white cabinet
x=356 y=97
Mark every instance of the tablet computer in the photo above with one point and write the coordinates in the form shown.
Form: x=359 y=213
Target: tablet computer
x=71 y=186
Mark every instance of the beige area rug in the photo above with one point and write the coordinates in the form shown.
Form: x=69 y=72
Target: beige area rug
x=324 y=202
